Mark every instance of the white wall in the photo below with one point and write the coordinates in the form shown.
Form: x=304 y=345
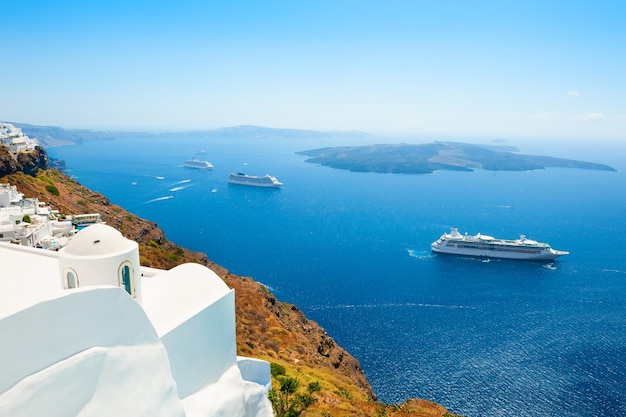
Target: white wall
x=92 y=350
x=101 y=270
x=98 y=382
x=213 y=350
x=258 y=381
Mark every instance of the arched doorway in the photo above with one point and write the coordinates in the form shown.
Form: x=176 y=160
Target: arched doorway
x=126 y=277
x=71 y=278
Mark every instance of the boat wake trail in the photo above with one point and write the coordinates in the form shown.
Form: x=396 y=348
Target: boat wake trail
x=178 y=188
x=388 y=305
x=181 y=185
x=422 y=254
x=615 y=271
x=154 y=200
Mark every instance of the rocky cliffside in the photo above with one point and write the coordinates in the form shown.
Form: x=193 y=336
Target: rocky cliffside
x=27 y=162
x=266 y=327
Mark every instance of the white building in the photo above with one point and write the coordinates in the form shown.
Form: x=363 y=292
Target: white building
x=13 y=138
x=86 y=331
x=42 y=227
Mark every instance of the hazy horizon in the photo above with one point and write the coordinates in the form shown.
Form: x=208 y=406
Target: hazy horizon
x=421 y=69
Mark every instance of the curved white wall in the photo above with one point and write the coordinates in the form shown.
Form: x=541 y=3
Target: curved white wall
x=91 y=353
x=213 y=350
x=257 y=378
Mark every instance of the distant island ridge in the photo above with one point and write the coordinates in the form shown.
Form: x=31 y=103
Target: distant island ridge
x=382 y=158
x=51 y=136
x=428 y=158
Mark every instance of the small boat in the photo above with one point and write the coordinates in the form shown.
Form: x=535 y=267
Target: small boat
x=198 y=164
x=244 y=179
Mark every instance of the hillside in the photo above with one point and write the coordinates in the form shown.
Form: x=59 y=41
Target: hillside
x=266 y=327
x=49 y=136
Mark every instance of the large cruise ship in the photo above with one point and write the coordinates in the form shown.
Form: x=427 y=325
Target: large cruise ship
x=244 y=179
x=198 y=164
x=488 y=246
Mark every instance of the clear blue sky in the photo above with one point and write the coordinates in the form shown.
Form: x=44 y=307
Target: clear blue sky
x=486 y=68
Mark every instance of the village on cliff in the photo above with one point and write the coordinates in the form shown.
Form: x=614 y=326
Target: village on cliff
x=94 y=333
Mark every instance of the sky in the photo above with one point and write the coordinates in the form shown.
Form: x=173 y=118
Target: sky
x=498 y=69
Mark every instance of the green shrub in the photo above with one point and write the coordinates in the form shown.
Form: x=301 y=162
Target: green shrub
x=314 y=387
x=52 y=189
x=287 y=402
x=345 y=394
x=277 y=370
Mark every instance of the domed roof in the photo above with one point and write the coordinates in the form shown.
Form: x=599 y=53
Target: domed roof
x=98 y=240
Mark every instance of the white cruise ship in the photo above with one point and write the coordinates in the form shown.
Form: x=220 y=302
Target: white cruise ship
x=198 y=164
x=482 y=245
x=243 y=179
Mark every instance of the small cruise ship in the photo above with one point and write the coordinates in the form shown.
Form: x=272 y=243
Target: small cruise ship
x=482 y=245
x=198 y=164
x=244 y=179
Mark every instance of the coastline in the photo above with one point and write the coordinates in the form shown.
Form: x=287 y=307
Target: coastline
x=266 y=327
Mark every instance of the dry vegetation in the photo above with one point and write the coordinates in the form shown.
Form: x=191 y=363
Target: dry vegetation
x=266 y=328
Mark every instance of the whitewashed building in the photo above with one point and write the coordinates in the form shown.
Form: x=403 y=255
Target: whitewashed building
x=30 y=222
x=86 y=331
x=13 y=138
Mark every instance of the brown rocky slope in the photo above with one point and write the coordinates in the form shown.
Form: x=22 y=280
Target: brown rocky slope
x=266 y=328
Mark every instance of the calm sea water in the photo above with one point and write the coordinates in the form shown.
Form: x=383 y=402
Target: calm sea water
x=352 y=250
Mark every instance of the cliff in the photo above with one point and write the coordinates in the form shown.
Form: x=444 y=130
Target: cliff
x=27 y=162
x=49 y=136
x=266 y=327
x=57 y=136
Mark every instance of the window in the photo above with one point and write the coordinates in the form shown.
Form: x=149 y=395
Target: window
x=71 y=279
x=126 y=277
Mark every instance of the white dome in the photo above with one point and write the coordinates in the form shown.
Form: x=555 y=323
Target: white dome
x=98 y=240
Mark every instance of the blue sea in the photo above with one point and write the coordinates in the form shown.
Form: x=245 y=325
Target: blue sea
x=352 y=251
